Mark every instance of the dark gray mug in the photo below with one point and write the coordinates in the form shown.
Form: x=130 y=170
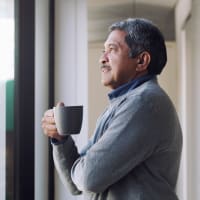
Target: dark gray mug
x=68 y=119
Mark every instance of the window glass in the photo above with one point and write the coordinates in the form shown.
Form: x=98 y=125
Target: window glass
x=6 y=98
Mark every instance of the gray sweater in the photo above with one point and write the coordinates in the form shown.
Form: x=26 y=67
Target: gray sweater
x=134 y=154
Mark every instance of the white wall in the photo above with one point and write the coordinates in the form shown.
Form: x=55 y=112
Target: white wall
x=188 y=42
x=71 y=73
x=41 y=97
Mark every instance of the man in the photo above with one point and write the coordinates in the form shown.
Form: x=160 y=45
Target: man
x=135 y=150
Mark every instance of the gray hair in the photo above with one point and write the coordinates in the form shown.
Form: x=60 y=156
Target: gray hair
x=143 y=35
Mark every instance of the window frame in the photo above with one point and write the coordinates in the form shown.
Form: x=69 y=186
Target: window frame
x=24 y=99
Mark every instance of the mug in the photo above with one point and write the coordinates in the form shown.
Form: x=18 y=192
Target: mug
x=68 y=119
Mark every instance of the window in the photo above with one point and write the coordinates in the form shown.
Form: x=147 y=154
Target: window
x=6 y=99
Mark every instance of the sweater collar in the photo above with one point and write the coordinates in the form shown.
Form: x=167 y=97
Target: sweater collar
x=129 y=86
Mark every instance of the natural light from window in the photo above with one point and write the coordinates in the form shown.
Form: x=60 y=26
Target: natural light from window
x=6 y=48
x=6 y=73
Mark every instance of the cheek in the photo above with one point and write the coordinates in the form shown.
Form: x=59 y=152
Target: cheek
x=118 y=66
x=119 y=63
x=115 y=62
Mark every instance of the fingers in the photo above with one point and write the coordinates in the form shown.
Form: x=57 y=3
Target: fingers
x=48 y=119
x=48 y=123
x=49 y=113
x=48 y=126
x=49 y=130
x=60 y=104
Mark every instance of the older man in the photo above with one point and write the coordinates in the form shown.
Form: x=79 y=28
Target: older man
x=134 y=153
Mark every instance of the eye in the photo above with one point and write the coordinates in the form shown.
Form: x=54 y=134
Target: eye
x=111 y=48
x=108 y=49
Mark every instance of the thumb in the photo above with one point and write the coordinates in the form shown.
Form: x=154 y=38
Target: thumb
x=60 y=104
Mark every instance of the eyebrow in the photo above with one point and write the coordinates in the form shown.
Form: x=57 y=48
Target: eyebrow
x=115 y=43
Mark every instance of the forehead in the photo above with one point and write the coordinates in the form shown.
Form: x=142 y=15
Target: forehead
x=116 y=37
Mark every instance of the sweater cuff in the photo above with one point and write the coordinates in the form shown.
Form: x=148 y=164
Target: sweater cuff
x=54 y=141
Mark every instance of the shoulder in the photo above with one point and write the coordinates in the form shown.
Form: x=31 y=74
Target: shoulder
x=149 y=98
x=150 y=92
x=150 y=88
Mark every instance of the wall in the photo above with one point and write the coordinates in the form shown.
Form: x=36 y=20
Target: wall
x=188 y=42
x=41 y=97
x=97 y=99
x=71 y=73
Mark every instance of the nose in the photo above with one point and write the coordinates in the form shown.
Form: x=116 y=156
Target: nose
x=103 y=58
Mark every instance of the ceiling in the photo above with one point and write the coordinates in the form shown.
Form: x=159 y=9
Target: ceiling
x=102 y=13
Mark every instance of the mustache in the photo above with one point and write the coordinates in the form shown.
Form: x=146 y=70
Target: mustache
x=105 y=66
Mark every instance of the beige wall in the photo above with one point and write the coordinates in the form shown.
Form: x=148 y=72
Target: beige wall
x=98 y=100
x=97 y=94
x=168 y=78
x=188 y=42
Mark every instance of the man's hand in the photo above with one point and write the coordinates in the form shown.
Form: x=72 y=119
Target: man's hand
x=49 y=126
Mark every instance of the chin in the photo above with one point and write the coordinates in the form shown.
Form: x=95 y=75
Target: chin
x=105 y=83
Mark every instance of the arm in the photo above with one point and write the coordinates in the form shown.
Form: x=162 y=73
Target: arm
x=131 y=137
x=64 y=150
x=64 y=156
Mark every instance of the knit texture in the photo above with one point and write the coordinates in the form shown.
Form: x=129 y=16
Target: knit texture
x=134 y=153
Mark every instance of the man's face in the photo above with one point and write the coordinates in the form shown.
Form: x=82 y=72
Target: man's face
x=117 y=67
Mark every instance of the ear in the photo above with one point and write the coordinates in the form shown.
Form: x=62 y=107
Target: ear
x=143 y=61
